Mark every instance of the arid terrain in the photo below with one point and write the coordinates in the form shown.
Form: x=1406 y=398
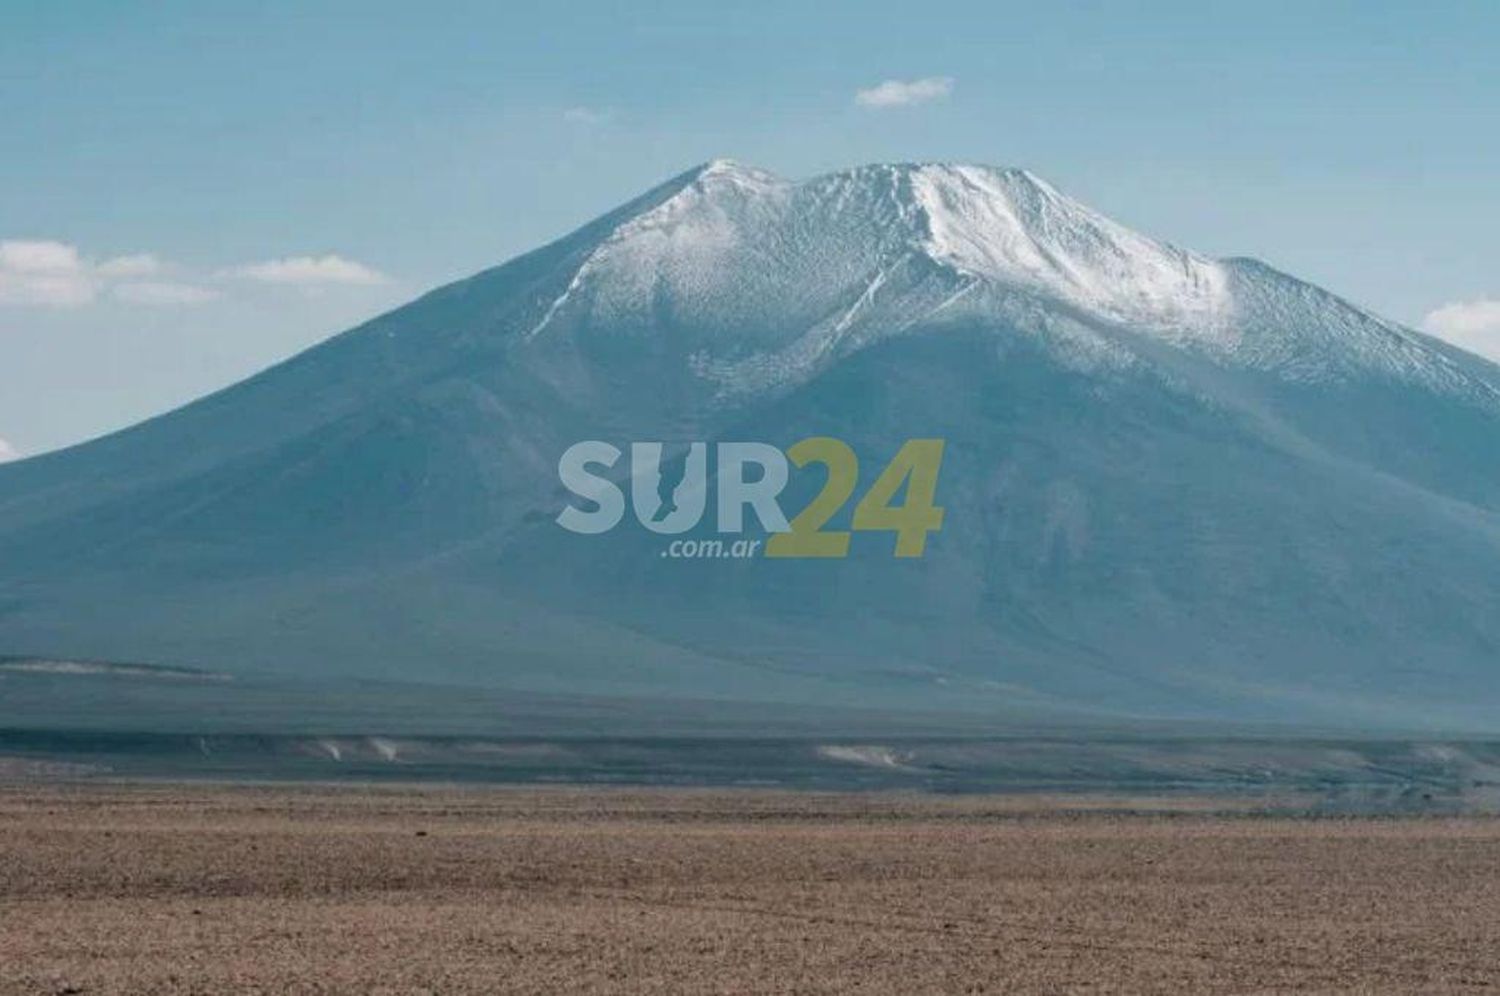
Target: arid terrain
x=228 y=889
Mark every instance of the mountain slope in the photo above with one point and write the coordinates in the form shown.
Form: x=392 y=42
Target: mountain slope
x=1174 y=485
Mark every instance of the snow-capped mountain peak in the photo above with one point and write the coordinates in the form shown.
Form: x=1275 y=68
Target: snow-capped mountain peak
x=766 y=281
x=1006 y=227
x=732 y=233
x=735 y=251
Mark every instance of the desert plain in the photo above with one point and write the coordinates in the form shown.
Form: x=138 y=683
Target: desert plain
x=213 y=888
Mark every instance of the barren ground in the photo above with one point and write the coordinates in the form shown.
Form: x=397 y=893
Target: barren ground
x=215 y=889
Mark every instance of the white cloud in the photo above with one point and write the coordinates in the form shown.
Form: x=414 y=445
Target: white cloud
x=38 y=256
x=50 y=290
x=142 y=264
x=1471 y=325
x=51 y=274
x=7 y=451
x=45 y=273
x=162 y=292
x=904 y=93
x=310 y=271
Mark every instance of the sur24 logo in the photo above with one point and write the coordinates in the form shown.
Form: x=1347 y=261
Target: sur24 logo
x=911 y=475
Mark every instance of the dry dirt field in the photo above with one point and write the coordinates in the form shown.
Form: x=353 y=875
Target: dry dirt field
x=180 y=889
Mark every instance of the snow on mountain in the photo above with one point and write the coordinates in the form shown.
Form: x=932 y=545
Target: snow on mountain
x=776 y=279
x=1173 y=486
x=1016 y=229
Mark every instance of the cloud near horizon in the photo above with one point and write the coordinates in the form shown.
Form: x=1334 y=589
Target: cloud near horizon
x=307 y=271
x=46 y=273
x=904 y=93
x=8 y=452
x=50 y=274
x=1471 y=325
x=142 y=264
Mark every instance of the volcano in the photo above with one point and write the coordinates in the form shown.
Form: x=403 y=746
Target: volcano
x=1173 y=486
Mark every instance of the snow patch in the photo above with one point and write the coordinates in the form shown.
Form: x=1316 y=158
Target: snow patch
x=868 y=755
x=387 y=749
x=1013 y=227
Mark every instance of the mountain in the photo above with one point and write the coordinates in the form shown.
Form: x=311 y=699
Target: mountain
x=1173 y=486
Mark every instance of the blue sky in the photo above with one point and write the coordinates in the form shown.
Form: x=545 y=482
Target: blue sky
x=236 y=181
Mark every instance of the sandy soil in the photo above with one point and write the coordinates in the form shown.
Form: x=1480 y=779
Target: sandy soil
x=171 y=889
